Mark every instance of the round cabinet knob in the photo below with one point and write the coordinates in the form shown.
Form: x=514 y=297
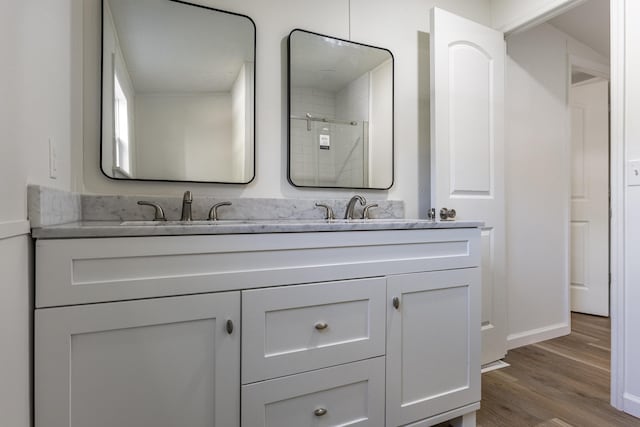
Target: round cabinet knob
x=321 y=326
x=451 y=214
x=319 y=412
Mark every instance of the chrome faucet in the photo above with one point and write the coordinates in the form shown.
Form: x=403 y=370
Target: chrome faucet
x=187 y=199
x=329 y=211
x=365 y=211
x=348 y=214
x=213 y=212
x=159 y=213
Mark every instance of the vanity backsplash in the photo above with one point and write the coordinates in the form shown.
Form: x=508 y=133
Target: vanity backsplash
x=49 y=206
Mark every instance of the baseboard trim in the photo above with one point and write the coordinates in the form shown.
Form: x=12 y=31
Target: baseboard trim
x=537 y=335
x=631 y=404
x=13 y=228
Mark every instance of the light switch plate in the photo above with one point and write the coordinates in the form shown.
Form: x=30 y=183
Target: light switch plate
x=633 y=172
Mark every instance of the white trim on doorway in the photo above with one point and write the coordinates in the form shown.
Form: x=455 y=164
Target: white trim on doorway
x=617 y=177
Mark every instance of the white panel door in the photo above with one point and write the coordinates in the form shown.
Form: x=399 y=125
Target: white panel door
x=161 y=362
x=467 y=150
x=433 y=343
x=590 y=197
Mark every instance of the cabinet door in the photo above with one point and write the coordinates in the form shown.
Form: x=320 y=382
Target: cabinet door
x=162 y=362
x=433 y=343
x=345 y=395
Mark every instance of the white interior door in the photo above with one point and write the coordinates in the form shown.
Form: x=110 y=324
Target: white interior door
x=467 y=150
x=590 y=197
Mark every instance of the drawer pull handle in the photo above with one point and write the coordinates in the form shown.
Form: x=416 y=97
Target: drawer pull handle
x=321 y=326
x=396 y=303
x=229 y=326
x=319 y=412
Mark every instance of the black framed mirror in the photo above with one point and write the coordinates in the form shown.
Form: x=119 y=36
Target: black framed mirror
x=178 y=92
x=340 y=113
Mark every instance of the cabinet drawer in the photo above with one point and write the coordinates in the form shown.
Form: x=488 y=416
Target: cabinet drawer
x=346 y=395
x=293 y=329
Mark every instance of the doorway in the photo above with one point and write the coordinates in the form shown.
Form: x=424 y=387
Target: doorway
x=590 y=189
x=551 y=265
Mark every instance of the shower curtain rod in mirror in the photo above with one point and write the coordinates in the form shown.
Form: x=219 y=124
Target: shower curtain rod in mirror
x=309 y=118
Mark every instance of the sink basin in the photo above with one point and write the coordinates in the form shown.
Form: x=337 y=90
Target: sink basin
x=176 y=223
x=285 y=222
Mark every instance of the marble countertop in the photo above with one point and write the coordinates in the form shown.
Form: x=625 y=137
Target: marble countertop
x=89 y=229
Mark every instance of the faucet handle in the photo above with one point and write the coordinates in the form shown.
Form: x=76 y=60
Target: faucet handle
x=213 y=212
x=158 y=213
x=365 y=212
x=328 y=209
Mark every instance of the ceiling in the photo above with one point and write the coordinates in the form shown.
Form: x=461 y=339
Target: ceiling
x=330 y=64
x=589 y=24
x=173 y=47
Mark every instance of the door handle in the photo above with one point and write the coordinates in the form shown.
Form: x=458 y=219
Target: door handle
x=447 y=214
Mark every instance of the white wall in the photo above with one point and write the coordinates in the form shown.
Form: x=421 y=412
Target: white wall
x=537 y=156
x=631 y=346
x=377 y=22
x=381 y=129
x=510 y=15
x=242 y=124
x=35 y=104
x=184 y=136
x=352 y=104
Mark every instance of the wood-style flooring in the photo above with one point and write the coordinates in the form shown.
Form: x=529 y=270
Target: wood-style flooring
x=562 y=382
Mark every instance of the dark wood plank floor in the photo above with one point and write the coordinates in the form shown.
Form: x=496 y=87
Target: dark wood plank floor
x=562 y=382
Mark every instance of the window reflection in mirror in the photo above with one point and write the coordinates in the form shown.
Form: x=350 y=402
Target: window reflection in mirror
x=340 y=113
x=121 y=136
x=177 y=92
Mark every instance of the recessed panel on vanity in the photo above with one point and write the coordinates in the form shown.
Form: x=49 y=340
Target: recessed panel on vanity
x=340 y=113
x=177 y=92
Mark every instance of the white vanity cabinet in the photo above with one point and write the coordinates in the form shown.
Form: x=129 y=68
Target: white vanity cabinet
x=357 y=328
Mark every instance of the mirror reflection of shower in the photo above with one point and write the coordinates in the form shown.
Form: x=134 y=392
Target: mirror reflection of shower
x=333 y=151
x=341 y=113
